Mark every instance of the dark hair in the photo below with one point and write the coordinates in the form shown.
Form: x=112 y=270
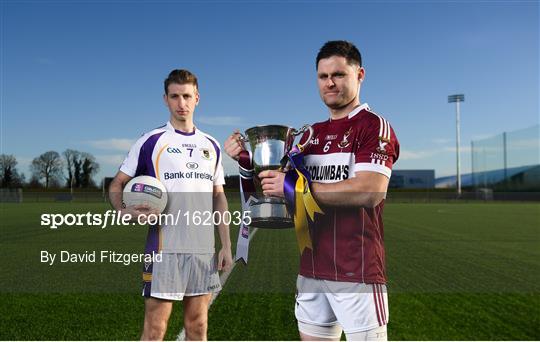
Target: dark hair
x=180 y=76
x=340 y=48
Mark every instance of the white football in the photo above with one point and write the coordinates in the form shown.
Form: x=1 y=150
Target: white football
x=145 y=190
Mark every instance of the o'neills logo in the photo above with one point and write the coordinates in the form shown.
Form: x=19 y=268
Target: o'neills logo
x=331 y=137
x=329 y=172
x=147 y=189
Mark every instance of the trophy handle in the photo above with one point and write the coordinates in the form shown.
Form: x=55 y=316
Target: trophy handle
x=302 y=131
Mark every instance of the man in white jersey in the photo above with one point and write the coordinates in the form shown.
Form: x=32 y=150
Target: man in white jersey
x=188 y=162
x=342 y=278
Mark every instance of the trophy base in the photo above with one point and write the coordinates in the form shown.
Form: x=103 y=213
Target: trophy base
x=270 y=213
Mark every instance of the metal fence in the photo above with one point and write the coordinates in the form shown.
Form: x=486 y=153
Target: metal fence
x=479 y=195
x=19 y=195
x=510 y=160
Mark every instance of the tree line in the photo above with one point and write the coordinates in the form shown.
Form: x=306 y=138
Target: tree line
x=71 y=169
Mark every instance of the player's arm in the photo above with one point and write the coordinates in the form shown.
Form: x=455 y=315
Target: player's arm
x=221 y=206
x=116 y=189
x=366 y=189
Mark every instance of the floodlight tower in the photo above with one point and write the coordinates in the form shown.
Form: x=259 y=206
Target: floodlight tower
x=457 y=98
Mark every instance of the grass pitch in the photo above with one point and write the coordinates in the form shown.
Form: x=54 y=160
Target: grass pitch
x=467 y=271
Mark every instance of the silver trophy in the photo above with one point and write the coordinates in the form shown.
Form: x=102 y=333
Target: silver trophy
x=269 y=145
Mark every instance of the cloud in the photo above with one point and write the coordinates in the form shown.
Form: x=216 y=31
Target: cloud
x=221 y=120
x=411 y=155
x=477 y=137
x=462 y=149
x=425 y=154
x=110 y=159
x=442 y=141
x=113 y=144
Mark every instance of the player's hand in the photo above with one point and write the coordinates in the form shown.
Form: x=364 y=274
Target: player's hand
x=272 y=182
x=225 y=261
x=234 y=145
x=139 y=212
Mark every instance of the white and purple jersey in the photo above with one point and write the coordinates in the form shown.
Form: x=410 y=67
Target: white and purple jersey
x=189 y=165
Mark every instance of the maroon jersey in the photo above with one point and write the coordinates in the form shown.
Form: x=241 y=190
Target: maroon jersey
x=348 y=243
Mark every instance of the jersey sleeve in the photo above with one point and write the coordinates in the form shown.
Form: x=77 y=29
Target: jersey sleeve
x=377 y=147
x=219 y=176
x=131 y=162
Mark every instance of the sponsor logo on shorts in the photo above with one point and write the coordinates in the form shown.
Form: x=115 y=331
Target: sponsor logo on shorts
x=212 y=287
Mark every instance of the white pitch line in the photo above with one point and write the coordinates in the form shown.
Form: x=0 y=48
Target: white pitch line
x=223 y=278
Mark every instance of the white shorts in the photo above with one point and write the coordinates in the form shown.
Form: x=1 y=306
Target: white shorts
x=182 y=274
x=355 y=307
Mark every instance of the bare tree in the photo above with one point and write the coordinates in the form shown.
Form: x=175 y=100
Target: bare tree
x=48 y=167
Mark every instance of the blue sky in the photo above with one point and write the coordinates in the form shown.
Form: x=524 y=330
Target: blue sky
x=88 y=75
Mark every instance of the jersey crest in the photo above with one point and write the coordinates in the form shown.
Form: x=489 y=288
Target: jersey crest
x=345 y=141
x=382 y=145
x=206 y=153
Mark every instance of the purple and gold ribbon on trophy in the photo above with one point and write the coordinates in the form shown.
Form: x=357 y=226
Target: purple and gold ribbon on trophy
x=298 y=197
x=271 y=148
x=247 y=190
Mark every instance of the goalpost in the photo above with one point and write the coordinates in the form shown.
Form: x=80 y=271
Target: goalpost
x=11 y=195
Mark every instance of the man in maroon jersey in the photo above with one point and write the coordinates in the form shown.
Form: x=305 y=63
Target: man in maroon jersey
x=341 y=285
